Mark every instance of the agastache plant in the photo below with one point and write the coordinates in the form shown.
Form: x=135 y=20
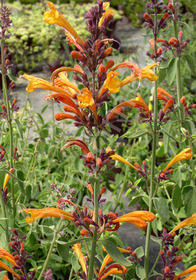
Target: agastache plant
x=83 y=103
x=95 y=79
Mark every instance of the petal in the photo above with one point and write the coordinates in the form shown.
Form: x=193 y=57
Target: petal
x=185 y=154
x=47 y=212
x=189 y=270
x=77 y=142
x=188 y=222
x=81 y=258
x=108 y=259
x=53 y=16
x=4 y=266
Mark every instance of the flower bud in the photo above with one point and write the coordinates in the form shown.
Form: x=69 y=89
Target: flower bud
x=99 y=162
x=108 y=51
x=77 y=55
x=167 y=270
x=183 y=100
x=84 y=232
x=90 y=157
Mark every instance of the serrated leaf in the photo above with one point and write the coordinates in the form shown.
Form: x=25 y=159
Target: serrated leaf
x=162 y=208
x=113 y=251
x=171 y=70
x=177 y=197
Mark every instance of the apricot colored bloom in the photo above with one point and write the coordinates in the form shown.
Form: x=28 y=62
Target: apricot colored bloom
x=138 y=102
x=185 y=154
x=163 y=94
x=159 y=40
x=53 y=16
x=46 y=212
x=138 y=218
x=115 y=156
x=63 y=82
x=85 y=99
x=78 y=143
x=107 y=12
x=187 y=222
x=7 y=176
x=8 y=257
x=112 y=83
x=146 y=73
x=191 y=270
x=81 y=257
x=42 y=84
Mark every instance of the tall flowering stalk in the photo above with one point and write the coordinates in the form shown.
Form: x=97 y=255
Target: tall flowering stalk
x=83 y=104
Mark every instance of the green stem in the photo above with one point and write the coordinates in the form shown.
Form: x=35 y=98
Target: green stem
x=9 y=122
x=154 y=265
x=178 y=74
x=5 y=219
x=50 y=250
x=94 y=239
x=154 y=143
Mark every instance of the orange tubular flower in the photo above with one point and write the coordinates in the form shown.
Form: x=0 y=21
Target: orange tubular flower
x=46 y=212
x=77 y=142
x=191 y=270
x=187 y=222
x=42 y=84
x=138 y=218
x=163 y=95
x=7 y=176
x=151 y=42
x=138 y=102
x=115 y=156
x=55 y=17
x=185 y=154
x=8 y=257
x=85 y=99
x=108 y=12
x=111 y=269
x=81 y=258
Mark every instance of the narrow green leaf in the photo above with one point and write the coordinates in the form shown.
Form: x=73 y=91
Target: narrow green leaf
x=44 y=108
x=137 y=134
x=63 y=251
x=113 y=251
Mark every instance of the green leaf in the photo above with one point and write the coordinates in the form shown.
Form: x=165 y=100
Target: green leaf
x=139 y=252
x=162 y=208
x=44 y=108
x=191 y=63
x=189 y=198
x=130 y=274
x=19 y=127
x=171 y=70
x=137 y=134
x=177 y=197
x=113 y=251
x=162 y=74
x=140 y=271
x=63 y=251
